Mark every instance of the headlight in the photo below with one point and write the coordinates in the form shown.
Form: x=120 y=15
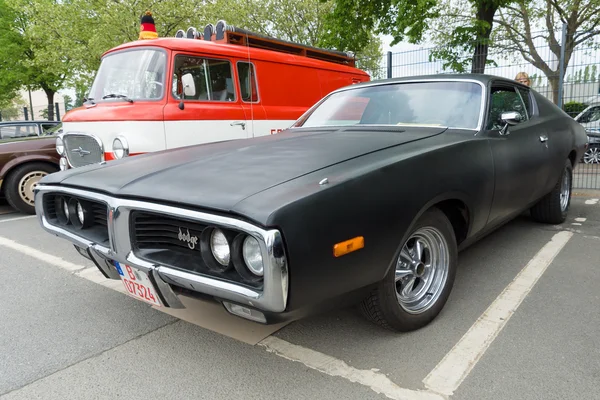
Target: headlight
x=60 y=146
x=120 y=147
x=253 y=256
x=61 y=206
x=219 y=247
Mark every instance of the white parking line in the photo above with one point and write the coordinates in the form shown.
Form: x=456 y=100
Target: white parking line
x=378 y=382
x=591 y=201
x=446 y=377
x=40 y=255
x=17 y=218
x=580 y=219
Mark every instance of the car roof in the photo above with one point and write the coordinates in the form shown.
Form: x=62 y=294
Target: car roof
x=29 y=122
x=482 y=78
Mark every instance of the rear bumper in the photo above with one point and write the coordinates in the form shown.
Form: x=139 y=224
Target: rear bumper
x=271 y=299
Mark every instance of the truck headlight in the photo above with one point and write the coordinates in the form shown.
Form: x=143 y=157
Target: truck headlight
x=60 y=146
x=120 y=147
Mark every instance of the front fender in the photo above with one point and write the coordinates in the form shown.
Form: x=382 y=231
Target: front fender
x=25 y=159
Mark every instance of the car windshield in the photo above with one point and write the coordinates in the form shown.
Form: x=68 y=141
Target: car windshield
x=441 y=103
x=133 y=75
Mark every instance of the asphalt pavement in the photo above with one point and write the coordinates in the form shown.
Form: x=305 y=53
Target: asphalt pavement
x=65 y=337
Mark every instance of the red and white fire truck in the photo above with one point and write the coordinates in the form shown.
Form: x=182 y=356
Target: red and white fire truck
x=222 y=84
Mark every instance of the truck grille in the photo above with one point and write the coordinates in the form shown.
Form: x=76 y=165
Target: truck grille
x=82 y=150
x=153 y=231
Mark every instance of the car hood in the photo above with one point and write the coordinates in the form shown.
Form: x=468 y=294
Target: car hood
x=219 y=175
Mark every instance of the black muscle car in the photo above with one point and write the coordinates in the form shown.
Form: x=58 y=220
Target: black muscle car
x=367 y=198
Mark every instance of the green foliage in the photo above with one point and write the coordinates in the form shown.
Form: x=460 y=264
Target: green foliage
x=573 y=108
x=12 y=52
x=68 y=101
x=300 y=21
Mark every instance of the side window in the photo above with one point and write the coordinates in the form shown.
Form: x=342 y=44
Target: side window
x=504 y=99
x=591 y=115
x=17 y=131
x=196 y=78
x=49 y=129
x=248 y=86
x=525 y=96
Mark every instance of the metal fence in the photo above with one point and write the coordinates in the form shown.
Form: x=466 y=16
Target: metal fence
x=25 y=113
x=576 y=89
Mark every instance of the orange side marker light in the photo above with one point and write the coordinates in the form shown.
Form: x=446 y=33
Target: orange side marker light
x=343 y=248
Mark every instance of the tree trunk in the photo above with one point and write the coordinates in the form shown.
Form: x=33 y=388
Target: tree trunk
x=554 y=82
x=485 y=17
x=50 y=95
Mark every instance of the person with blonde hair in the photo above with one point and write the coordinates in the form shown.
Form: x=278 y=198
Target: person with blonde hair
x=523 y=78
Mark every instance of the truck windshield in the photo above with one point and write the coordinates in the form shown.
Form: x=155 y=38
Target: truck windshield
x=437 y=103
x=130 y=75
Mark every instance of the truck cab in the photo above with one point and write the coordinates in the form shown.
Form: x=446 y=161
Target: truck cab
x=223 y=84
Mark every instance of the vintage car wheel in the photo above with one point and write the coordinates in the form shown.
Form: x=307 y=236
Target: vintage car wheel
x=20 y=183
x=414 y=292
x=553 y=208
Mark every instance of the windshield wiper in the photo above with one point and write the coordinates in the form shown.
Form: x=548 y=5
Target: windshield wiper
x=90 y=99
x=117 y=96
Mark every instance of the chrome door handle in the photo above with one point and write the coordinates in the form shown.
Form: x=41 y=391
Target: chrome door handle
x=243 y=124
x=543 y=138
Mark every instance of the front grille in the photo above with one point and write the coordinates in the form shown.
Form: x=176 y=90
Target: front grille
x=154 y=231
x=97 y=232
x=82 y=150
x=180 y=243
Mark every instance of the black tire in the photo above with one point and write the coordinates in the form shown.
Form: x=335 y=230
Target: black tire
x=11 y=184
x=382 y=306
x=549 y=209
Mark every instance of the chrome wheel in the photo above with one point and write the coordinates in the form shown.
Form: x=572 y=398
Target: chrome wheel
x=592 y=155
x=28 y=183
x=565 y=191
x=422 y=270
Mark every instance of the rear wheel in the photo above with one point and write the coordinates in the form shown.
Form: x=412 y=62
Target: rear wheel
x=19 y=186
x=553 y=208
x=414 y=292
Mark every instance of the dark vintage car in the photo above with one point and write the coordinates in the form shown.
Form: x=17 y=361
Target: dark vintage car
x=366 y=200
x=27 y=154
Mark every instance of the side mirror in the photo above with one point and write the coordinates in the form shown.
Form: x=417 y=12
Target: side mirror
x=509 y=118
x=189 y=89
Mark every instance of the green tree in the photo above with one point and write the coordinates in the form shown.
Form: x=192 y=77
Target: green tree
x=518 y=25
x=586 y=74
x=68 y=101
x=465 y=43
x=300 y=21
x=12 y=50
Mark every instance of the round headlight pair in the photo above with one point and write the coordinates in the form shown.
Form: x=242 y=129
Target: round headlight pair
x=120 y=147
x=60 y=146
x=251 y=253
x=71 y=210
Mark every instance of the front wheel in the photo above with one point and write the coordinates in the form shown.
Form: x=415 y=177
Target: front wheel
x=553 y=208
x=414 y=292
x=21 y=182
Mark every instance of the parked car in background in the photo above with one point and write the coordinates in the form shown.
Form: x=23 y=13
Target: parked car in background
x=22 y=129
x=590 y=120
x=367 y=198
x=27 y=154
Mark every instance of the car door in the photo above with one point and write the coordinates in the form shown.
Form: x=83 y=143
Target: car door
x=204 y=106
x=517 y=151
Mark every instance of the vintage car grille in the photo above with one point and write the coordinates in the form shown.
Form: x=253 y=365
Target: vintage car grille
x=156 y=238
x=98 y=229
x=82 y=150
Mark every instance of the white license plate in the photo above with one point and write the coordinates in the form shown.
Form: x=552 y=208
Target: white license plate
x=137 y=284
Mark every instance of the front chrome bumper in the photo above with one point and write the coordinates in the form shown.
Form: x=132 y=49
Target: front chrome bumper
x=272 y=298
